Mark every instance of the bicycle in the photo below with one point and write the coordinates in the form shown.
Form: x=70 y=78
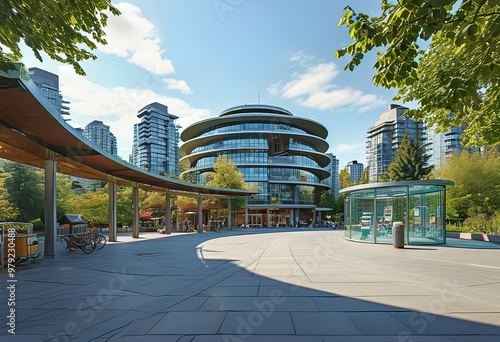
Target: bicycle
x=99 y=239
x=86 y=242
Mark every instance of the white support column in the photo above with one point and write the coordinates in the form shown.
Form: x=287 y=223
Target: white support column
x=50 y=205
x=229 y=223
x=112 y=210
x=292 y=217
x=200 y=215
x=268 y=218
x=135 y=208
x=246 y=217
x=168 y=214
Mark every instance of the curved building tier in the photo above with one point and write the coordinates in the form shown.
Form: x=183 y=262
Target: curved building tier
x=280 y=155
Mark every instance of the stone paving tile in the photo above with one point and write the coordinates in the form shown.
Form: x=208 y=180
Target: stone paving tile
x=423 y=323
x=240 y=281
x=131 y=297
x=257 y=338
x=231 y=291
x=293 y=291
x=380 y=289
x=257 y=323
x=351 y=304
x=492 y=318
x=149 y=338
x=135 y=302
x=275 y=303
x=323 y=323
x=189 y=323
x=378 y=323
x=184 y=303
x=339 y=289
x=139 y=327
x=413 y=338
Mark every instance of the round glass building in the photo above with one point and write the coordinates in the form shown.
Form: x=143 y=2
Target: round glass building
x=280 y=155
x=371 y=209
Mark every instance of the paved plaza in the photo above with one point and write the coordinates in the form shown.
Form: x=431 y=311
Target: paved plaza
x=259 y=285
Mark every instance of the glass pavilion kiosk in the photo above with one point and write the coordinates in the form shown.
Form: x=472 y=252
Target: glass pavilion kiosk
x=371 y=209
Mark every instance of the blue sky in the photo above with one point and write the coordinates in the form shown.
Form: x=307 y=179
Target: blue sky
x=201 y=57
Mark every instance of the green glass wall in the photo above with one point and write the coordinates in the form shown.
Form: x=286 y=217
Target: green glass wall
x=370 y=214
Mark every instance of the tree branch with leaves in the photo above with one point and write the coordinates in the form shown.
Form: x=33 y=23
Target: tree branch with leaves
x=66 y=30
x=455 y=80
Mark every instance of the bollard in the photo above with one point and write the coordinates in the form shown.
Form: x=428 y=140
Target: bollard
x=398 y=235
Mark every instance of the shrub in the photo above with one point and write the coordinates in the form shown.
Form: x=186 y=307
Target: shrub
x=38 y=225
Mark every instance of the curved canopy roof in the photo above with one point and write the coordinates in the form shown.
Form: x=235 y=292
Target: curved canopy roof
x=32 y=130
x=308 y=125
x=427 y=182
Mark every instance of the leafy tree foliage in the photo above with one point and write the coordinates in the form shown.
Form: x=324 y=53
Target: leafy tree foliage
x=226 y=175
x=409 y=163
x=384 y=177
x=365 y=176
x=154 y=200
x=327 y=200
x=96 y=185
x=465 y=82
x=124 y=210
x=345 y=179
x=65 y=31
x=65 y=196
x=8 y=211
x=94 y=206
x=477 y=184
x=26 y=190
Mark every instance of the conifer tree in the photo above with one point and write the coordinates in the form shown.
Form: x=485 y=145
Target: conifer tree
x=409 y=163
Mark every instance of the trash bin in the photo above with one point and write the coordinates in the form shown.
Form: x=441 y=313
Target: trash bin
x=398 y=235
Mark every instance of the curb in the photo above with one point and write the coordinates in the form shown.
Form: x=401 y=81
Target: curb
x=474 y=236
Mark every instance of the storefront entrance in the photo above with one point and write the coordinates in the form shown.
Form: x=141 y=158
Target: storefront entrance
x=255 y=220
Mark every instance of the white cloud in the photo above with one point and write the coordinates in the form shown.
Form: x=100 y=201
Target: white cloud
x=313 y=87
x=132 y=36
x=302 y=58
x=178 y=85
x=118 y=106
x=312 y=81
x=348 y=148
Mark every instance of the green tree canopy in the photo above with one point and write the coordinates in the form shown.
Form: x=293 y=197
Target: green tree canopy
x=8 y=211
x=26 y=190
x=458 y=73
x=65 y=30
x=477 y=184
x=65 y=196
x=327 y=200
x=226 y=175
x=345 y=179
x=154 y=200
x=409 y=163
x=94 y=206
x=365 y=176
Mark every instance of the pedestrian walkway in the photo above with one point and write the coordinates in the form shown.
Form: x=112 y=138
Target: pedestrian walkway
x=259 y=285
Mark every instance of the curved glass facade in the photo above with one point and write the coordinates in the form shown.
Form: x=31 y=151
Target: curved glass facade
x=276 y=154
x=257 y=125
x=371 y=209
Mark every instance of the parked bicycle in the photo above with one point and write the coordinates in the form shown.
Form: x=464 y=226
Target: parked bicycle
x=86 y=242
x=99 y=239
